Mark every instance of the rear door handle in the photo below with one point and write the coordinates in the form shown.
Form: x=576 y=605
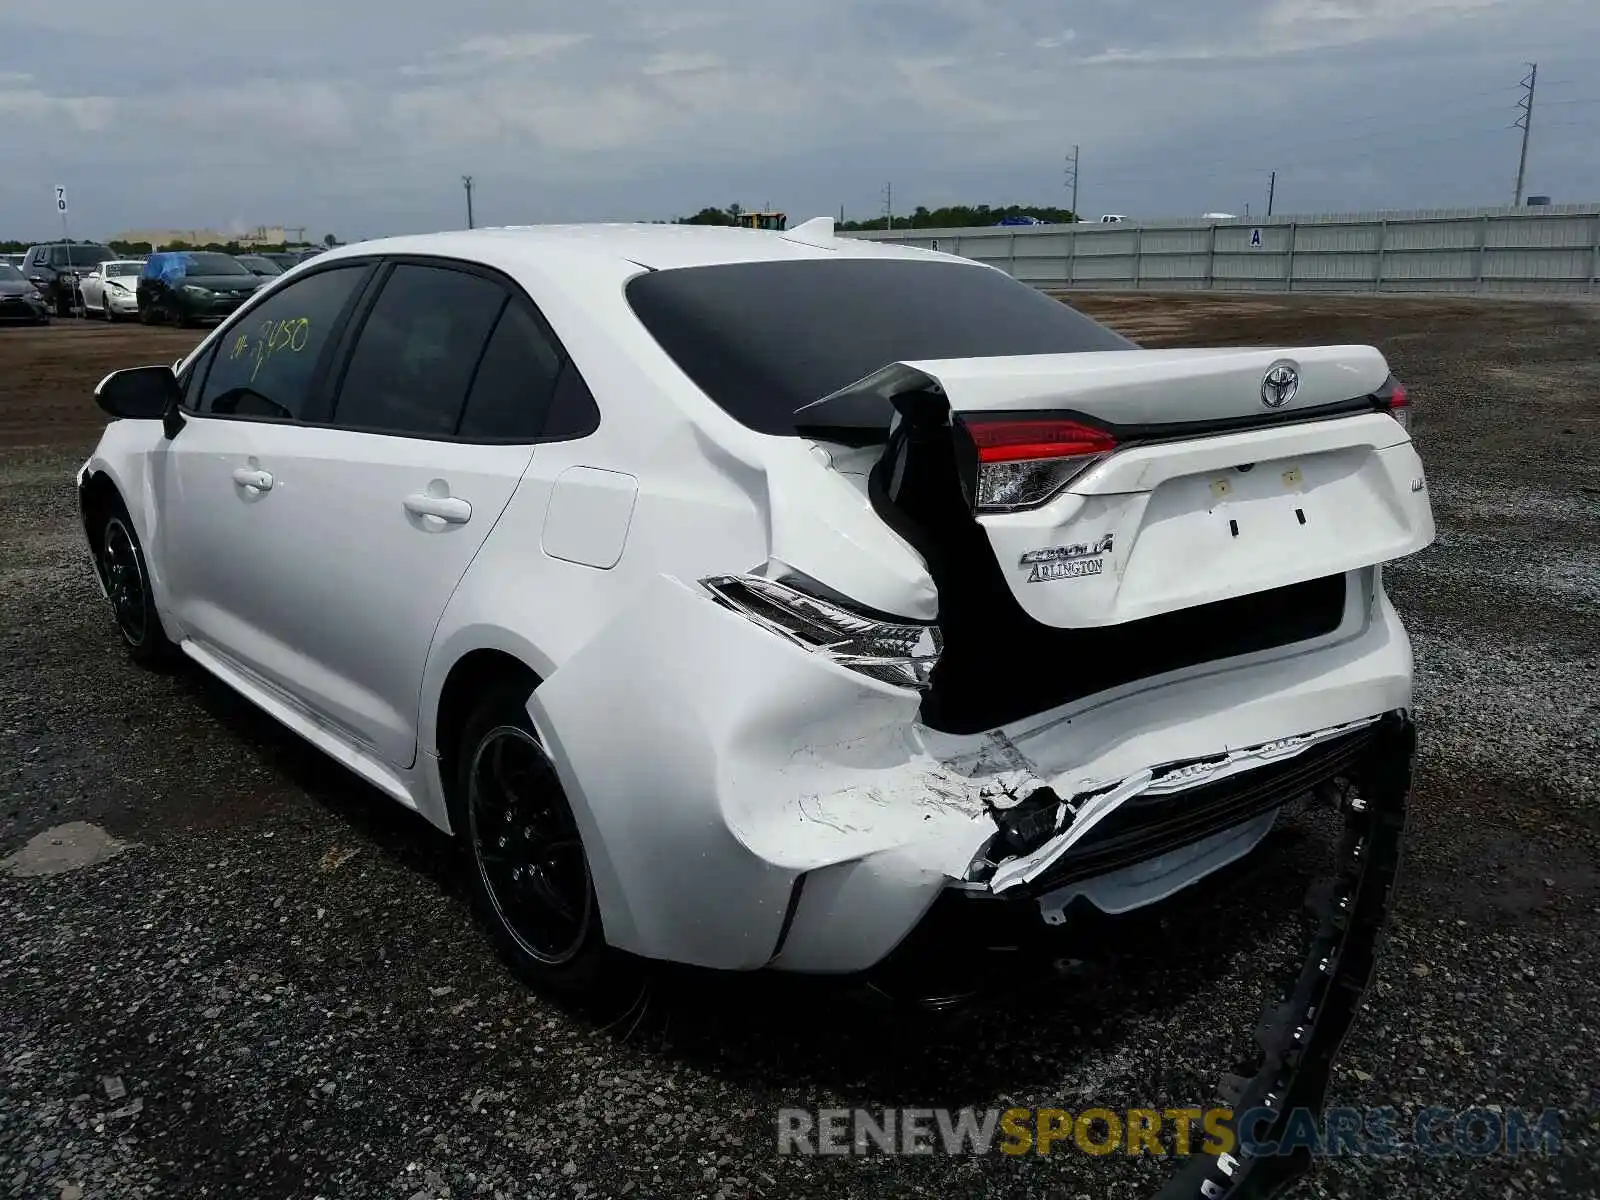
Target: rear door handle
x=261 y=481
x=451 y=509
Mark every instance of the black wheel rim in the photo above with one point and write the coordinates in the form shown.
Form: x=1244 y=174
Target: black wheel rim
x=124 y=580
x=527 y=847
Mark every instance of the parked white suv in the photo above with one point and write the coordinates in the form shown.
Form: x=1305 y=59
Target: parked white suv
x=739 y=598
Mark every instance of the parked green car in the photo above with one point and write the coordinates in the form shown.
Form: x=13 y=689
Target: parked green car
x=186 y=287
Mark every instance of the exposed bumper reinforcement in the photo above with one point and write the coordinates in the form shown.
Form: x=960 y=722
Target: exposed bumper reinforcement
x=1298 y=1038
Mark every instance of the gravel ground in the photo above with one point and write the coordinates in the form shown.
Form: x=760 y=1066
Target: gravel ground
x=264 y=980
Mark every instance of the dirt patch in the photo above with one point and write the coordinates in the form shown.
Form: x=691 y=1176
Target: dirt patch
x=47 y=376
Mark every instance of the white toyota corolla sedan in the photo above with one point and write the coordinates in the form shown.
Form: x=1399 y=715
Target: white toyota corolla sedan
x=751 y=599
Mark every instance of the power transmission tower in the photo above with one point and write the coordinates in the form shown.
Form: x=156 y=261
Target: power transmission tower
x=1072 y=180
x=1525 y=123
x=888 y=206
x=466 y=182
x=1272 y=190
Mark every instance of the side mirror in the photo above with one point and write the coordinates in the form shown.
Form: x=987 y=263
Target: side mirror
x=139 y=393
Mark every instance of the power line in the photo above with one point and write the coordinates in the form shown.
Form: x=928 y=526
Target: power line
x=1310 y=158
x=1525 y=123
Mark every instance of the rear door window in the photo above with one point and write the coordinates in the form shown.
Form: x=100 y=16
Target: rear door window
x=417 y=352
x=265 y=362
x=515 y=381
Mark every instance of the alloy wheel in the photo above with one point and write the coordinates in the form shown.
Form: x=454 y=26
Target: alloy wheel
x=124 y=580
x=526 y=846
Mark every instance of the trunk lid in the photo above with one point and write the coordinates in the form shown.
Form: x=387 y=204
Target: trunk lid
x=1120 y=387
x=1219 y=473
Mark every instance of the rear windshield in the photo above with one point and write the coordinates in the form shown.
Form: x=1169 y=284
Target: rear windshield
x=761 y=339
x=87 y=256
x=9 y=274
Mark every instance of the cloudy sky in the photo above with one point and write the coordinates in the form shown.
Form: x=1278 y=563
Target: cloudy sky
x=348 y=117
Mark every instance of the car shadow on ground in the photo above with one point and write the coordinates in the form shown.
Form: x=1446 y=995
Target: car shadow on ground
x=795 y=1034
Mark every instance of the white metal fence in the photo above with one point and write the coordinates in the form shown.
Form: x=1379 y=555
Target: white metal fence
x=1551 y=249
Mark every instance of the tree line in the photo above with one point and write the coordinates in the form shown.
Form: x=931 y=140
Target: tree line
x=951 y=216
x=137 y=248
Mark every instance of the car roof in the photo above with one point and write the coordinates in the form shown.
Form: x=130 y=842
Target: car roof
x=658 y=247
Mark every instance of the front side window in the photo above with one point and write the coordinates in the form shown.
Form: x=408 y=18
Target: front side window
x=417 y=351
x=265 y=362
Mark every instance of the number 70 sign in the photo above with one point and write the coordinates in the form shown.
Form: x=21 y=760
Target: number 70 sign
x=61 y=200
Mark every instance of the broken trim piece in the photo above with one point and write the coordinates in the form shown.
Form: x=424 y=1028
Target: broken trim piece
x=1300 y=1038
x=1091 y=806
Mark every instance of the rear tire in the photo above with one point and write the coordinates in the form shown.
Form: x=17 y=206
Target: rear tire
x=529 y=873
x=120 y=561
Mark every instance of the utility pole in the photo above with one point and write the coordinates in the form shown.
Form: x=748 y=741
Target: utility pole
x=1272 y=190
x=1072 y=181
x=1525 y=123
x=466 y=182
x=888 y=206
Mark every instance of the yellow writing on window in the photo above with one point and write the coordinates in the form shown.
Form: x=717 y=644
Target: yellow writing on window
x=272 y=337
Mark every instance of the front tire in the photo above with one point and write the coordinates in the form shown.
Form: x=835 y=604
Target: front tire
x=529 y=872
x=120 y=560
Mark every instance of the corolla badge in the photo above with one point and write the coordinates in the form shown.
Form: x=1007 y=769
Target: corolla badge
x=1067 y=562
x=1280 y=384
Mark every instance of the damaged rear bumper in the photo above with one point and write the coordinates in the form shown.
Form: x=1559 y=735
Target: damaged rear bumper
x=746 y=804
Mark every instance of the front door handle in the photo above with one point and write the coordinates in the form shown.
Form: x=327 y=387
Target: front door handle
x=450 y=509
x=261 y=481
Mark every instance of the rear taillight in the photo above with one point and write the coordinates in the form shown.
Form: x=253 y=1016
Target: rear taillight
x=1396 y=402
x=1022 y=462
x=894 y=651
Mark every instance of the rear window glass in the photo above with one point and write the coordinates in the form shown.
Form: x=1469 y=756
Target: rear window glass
x=761 y=339
x=85 y=256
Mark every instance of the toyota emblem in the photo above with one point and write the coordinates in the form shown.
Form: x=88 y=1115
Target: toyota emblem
x=1282 y=381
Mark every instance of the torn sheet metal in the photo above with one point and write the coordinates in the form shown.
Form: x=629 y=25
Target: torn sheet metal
x=1093 y=807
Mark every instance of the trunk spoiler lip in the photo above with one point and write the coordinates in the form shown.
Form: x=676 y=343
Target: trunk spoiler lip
x=859 y=426
x=868 y=405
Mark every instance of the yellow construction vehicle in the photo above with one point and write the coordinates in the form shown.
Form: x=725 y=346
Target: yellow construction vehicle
x=774 y=221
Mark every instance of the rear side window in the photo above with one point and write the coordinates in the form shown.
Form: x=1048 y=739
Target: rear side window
x=264 y=363
x=417 y=351
x=515 y=381
x=763 y=338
